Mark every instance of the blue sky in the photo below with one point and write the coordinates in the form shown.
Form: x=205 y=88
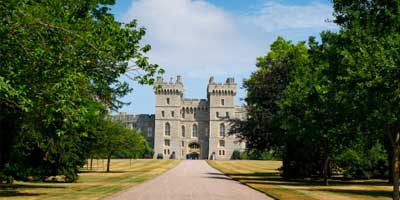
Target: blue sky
x=220 y=38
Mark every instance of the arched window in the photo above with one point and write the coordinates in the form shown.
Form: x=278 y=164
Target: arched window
x=167 y=129
x=222 y=130
x=194 y=132
x=194 y=146
x=183 y=131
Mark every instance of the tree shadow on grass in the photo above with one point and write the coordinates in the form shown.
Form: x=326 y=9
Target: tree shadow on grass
x=370 y=193
x=13 y=193
x=29 y=186
x=275 y=178
x=12 y=190
x=110 y=172
x=255 y=174
x=219 y=177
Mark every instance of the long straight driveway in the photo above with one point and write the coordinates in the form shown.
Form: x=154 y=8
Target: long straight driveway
x=191 y=179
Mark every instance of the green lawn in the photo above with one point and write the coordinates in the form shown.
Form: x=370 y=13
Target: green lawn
x=91 y=184
x=264 y=176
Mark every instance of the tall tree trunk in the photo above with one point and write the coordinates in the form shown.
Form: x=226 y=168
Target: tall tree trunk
x=91 y=162
x=2 y=143
x=325 y=170
x=389 y=149
x=395 y=170
x=394 y=136
x=108 y=162
x=325 y=167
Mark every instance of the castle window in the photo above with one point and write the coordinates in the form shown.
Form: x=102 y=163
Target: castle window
x=168 y=151
x=168 y=101
x=149 y=131
x=183 y=114
x=183 y=131
x=194 y=131
x=166 y=143
x=222 y=143
x=183 y=143
x=217 y=114
x=227 y=114
x=194 y=146
x=162 y=113
x=223 y=152
x=222 y=102
x=167 y=129
x=165 y=152
x=172 y=113
x=222 y=130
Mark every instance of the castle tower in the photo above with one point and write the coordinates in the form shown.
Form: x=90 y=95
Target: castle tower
x=195 y=128
x=167 y=117
x=221 y=100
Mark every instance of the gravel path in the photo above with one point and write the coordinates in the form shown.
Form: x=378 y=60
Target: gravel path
x=191 y=179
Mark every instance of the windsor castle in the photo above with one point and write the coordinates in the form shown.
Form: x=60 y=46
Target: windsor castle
x=190 y=128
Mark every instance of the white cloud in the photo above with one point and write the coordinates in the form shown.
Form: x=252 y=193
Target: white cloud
x=197 y=39
x=274 y=16
x=193 y=38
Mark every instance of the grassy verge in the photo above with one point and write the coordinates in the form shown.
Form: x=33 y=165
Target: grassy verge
x=91 y=184
x=264 y=176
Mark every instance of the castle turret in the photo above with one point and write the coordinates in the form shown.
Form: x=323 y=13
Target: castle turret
x=221 y=99
x=169 y=97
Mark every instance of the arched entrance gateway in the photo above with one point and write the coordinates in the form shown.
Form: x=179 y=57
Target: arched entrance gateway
x=194 y=151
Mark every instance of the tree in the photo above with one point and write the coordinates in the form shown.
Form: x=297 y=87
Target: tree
x=57 y=59
x=116 y=137
x=264 y=90
x=313 y=111
x=370 y=33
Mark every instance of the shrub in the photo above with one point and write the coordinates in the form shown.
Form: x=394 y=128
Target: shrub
x=352 y=164
x=256 y=155
x=364 y=164
x=236 y=155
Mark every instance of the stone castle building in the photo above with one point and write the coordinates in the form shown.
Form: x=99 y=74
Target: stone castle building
x=190 y=128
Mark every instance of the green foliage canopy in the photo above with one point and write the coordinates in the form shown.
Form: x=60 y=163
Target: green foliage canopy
x=58 y=58
x=265 y=89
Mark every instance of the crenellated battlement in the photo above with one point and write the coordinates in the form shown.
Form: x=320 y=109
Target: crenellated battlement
x=221 y=89
x=189 y=105
x=169 y=88
x=123 y=116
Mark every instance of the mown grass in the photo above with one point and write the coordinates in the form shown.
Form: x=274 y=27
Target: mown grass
x=264 y=176
x=92 y=184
